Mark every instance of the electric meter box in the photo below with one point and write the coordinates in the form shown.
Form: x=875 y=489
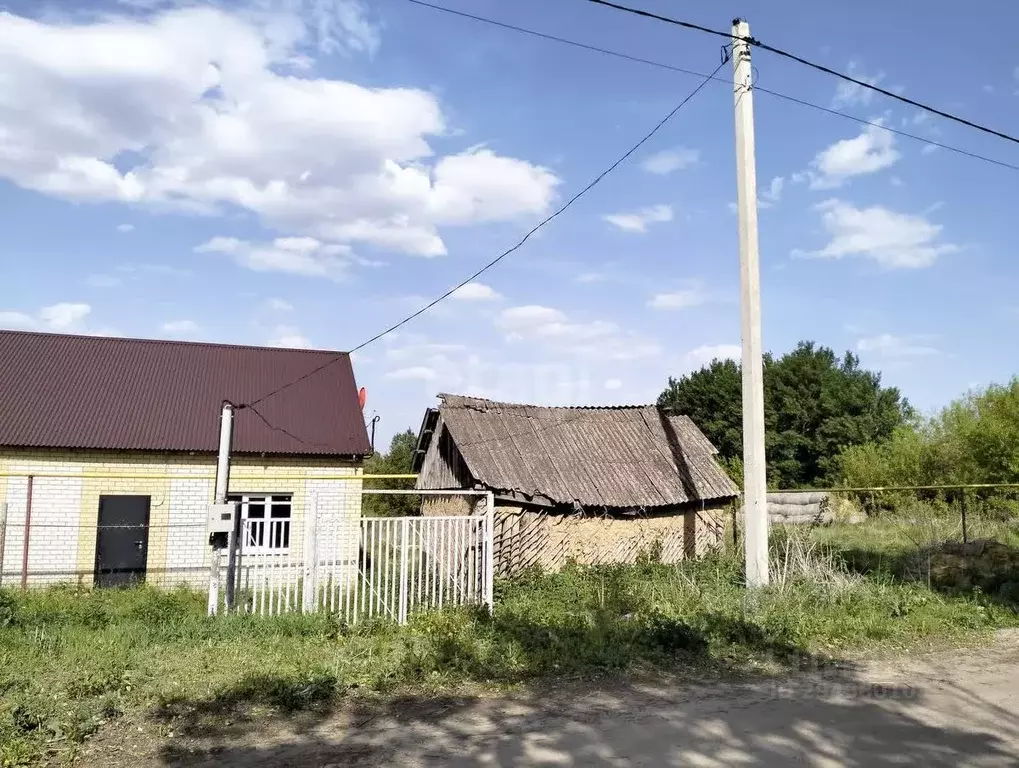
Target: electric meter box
x=221 y=517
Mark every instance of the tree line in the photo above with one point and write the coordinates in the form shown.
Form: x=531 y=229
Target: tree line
x=829 y=422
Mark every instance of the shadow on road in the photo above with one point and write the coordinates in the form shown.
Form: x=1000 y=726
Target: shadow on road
x=825 y=717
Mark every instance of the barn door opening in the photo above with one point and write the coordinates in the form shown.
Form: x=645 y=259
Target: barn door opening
x=122 y=540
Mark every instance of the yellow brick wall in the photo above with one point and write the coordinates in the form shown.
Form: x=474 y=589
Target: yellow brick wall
x=65 y=509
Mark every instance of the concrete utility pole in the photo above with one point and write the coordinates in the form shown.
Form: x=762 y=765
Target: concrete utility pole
x=226 y=438
x=755 y=487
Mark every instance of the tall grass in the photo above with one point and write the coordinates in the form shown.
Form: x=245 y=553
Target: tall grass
x=71 y=660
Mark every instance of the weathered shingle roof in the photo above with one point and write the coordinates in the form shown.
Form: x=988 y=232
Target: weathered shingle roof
x=634 y=456
x=59 y=391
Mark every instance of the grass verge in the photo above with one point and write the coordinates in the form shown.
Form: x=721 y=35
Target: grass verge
x=72 y=660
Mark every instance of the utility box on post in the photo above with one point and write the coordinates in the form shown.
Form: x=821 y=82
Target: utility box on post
x=221 y=523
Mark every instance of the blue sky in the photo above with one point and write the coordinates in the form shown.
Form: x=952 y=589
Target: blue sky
x=306 y=172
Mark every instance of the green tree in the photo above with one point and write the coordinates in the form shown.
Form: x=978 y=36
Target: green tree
x=397 y=461
x=815 y=406
x=975 y=439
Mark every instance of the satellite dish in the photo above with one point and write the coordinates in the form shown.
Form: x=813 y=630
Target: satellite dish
x=362 y=397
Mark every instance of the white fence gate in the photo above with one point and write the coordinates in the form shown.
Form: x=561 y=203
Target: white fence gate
x=358 y=569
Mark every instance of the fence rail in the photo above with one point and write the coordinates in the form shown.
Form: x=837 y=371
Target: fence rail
x=384 y=567
x=300 y=546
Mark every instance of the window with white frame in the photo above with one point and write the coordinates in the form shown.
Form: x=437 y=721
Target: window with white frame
x=265 y=522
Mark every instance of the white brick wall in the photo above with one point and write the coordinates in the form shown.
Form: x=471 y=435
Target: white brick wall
x=53 y=529
x=17 y=494
x=339 y=516
x=64 y=510
x=187 y=543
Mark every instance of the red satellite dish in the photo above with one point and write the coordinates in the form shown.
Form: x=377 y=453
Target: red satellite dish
x=362 y=397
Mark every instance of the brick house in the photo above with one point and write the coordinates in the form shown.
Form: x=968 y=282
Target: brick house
x=108 y=454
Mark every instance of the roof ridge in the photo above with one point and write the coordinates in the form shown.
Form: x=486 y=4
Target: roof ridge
x=502 y=404
x=179 y=342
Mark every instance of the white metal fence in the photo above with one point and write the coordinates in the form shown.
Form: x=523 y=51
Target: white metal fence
x=385 y=567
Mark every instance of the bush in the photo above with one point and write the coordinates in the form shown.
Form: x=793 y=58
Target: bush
x=974 y=440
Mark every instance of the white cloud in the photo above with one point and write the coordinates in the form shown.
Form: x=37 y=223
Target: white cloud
x=66 y=317
x=669 y=160
x=296 y=255
x=124 y=228
x=613 y=384
x=196 y=114
x=681 y=299
x=894 y=240
x=103 y=281
x=707 y=353
x=638 y=221
x=890 y=346
x=988 y=88
x=591 y=277
x=61 y=317
x=336 y=25
x=132 y=272
x=280 y=305
x=289 y=337
x=896 y=181
x=929 y=149
x=16 y=320
x=871 y=151
x=475 y=292
x=595 y=339
x=772 y=194
x=179 y=327
x=850 y=94
x=414 y=373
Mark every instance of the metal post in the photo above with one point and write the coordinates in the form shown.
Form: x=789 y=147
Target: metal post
x=962 y=504
x=3 y=538
x=490 y=551
x=404 y=533
x=28 y=532
x=309 y=591
x=226 y=434
x=755 y=487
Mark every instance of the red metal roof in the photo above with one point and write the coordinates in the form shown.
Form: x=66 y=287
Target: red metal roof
x=60 y=391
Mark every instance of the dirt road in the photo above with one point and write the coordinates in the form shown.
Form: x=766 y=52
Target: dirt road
x=953 y=708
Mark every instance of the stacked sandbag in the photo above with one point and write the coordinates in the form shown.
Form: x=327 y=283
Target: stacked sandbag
x=800 y=508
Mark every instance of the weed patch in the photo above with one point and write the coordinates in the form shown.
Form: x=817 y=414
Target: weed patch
x=71 y=660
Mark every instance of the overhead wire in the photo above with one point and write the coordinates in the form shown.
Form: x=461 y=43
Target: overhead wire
x=713 y=76
x=564 y=40
x=726 y=80
x=813 y=65
x=593 y=183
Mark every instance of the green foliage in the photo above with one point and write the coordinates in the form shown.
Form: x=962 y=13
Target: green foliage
x=712 y=397
x=74 y=659
x=398 y=461
x=816 y=405
x=973 y=440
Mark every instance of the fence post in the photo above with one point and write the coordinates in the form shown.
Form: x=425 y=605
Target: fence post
x=404 y=533
x=962 y=504
x=310 y=585
x=3 y=538
x=490 y=552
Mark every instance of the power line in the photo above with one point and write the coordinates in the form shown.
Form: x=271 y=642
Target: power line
x=727 y=81
x=813 y=65
x=565 y=41
x=667 y=19
x=594 y=182
x=882 y=126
